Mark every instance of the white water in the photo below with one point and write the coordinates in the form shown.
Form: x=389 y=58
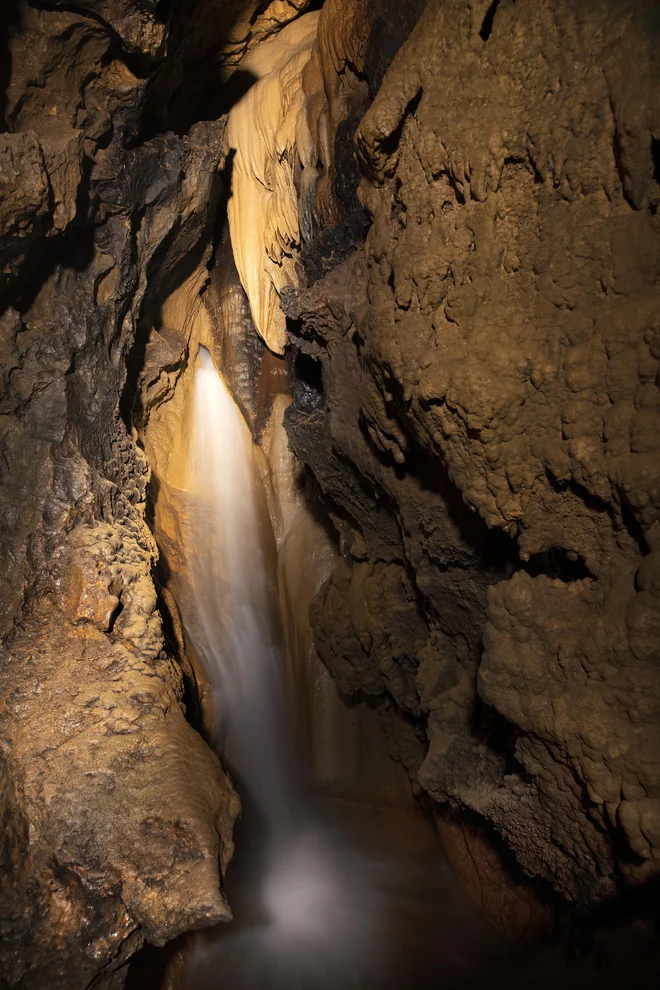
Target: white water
x=308 y=900
x=235 y=633
x=313 y=910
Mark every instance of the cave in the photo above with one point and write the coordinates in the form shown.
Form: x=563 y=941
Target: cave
x=330 y=502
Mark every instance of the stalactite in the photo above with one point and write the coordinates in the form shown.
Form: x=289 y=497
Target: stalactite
x=281 y=138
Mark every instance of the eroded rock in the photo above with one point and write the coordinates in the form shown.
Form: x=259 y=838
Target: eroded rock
x=117 y=817
x=490 y=419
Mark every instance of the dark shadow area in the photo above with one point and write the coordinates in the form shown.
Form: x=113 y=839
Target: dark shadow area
x=233 y=90
x=307 y=382
x=558 y=563
x=611 y=945
x=201 y=96
x=486 y=28
x=114 y=615
x=392 y=21
x=10 y=22
x=163 y=11
x=655 y=158
x=200 y=93
x=73 y=249
x=147 y=969
x=325 y=247
x=190 y=699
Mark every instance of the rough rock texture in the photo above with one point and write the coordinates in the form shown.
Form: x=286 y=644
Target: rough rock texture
x=488 y=428
x=116 y=818
x=237 y=347
x=475 y=391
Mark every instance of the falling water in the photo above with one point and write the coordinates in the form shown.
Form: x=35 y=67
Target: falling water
x=309 y=911
x=235 y=633
x=312 y=912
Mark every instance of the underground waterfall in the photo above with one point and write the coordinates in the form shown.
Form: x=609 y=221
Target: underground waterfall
x=307 y=899
x=329 y=494
x=317 y=903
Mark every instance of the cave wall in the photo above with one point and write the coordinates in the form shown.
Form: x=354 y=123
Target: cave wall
x=488 y=428
x=116 y=817
x=484 y=415
x=465 y=246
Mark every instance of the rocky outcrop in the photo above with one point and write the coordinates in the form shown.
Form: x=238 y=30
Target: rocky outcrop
x=117 y=819
x=474 y=360
x=281 y=138
x=486 y=429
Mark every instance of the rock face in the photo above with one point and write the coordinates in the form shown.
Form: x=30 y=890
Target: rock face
x=282 y=139
x=488 y=428
x=475 y=345
x=116 y=817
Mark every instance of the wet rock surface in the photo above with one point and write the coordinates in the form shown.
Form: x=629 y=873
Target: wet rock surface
x=465 y=245
x=488 y=438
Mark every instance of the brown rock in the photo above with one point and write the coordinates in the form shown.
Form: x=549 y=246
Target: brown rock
x=493 y=350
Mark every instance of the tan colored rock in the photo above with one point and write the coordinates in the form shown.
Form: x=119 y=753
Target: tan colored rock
x=117 y=818
x=489 y=417
x=129 y=813
x=282 y=136
x=263 y=131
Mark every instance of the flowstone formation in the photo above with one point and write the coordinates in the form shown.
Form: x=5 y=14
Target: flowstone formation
x=480 y=407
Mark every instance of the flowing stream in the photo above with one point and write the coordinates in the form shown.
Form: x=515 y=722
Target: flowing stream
x=314 y=909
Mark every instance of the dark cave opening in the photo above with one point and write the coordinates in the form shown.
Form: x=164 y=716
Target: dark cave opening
x=307 y=382
x=655 y=158
x=116 y=612
x=564 y=565
x=487 y=24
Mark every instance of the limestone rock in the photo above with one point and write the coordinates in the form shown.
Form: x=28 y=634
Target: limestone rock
x=489 y=417
x=117 y=819
x=23 y=193
x=282 y=138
